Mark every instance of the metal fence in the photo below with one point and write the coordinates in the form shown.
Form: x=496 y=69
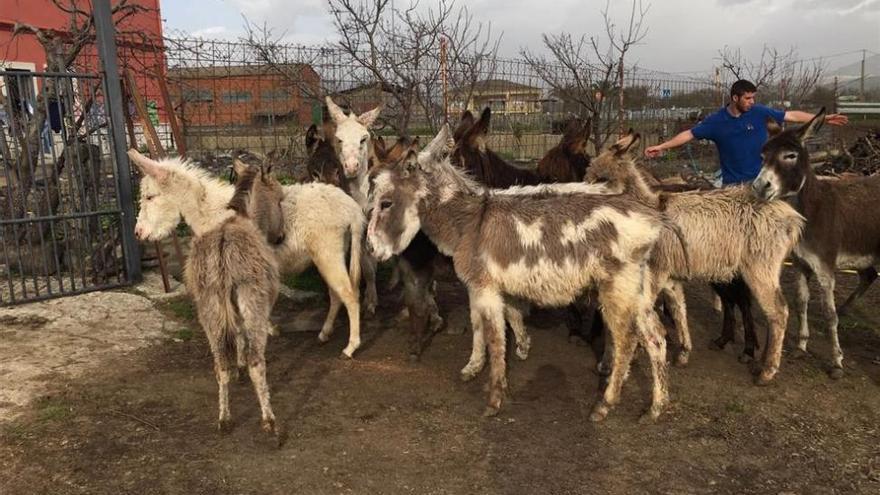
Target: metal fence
x=233 y=96
x=65 y=197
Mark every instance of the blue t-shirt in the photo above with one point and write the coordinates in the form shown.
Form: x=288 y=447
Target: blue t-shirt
x=739 y=140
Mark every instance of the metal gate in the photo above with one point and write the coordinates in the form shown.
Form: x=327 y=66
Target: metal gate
x=65 y=196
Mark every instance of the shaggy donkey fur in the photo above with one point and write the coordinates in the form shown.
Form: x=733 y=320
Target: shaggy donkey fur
x=232 y=275
x=842 y=228
x=320 y=221
x=568 y=161
x=353 y=144
x=727 y=233
x=545 y=248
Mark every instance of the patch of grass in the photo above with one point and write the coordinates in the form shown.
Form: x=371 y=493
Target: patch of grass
x=185 y=334
x=309 y=280
x=52 y=409
x=179 y=307
x=286 y=180
x=15 y=432
x=735 y=407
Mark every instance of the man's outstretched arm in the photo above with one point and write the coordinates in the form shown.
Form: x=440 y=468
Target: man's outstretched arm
x=680 y=139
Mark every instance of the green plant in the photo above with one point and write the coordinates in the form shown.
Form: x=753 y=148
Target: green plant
x=309 y=280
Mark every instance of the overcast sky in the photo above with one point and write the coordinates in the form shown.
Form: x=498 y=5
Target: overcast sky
x=683 y=35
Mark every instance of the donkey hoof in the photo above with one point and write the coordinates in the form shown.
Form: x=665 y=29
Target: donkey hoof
x=522 y=352
x=491 y=411
x=745 y=358
x=437 y=324
x=717 y=344
x=224 y=425
x=600 y=412
x=651 y=414
x=836 y=373
x=323 y=338
x=603 y=369
x=468 y=375
x=346 y=355
x=273 y=331
x=764 y=378
x=799 y=353
x=681 y=360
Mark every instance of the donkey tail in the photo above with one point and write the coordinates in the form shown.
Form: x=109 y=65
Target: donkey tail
x=357 y=228
x=669 y=224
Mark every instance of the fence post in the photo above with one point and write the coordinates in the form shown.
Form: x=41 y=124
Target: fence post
x=106 y=40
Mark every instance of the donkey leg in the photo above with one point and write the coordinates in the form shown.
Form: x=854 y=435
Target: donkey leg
x=478 y=347
x=213 y=321
x=825 y=277
x=513 y=313
x=801 y=301
x=648 y=326
x=675 y=301
x=491 y=310
x=765 y=287
x=618 y=313
x=728 y=325
x=331 y=265
x=371 y=299
x=330 y=320
x=867 y=276
x=415 y=296
x=750 y=338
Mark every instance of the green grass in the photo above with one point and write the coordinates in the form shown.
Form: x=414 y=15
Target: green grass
x=52 y=409
x=286 y=180
x=309 y=280
x=185 y=334
x=735 y=407
x=180 y=307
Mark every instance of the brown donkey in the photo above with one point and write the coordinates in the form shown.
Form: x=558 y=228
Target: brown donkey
x=842 y=229
x=232 y=275
x=568 y=160
x=545 y=248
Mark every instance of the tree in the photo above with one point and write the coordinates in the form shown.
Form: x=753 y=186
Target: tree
x=589 y=73
x=27 y=196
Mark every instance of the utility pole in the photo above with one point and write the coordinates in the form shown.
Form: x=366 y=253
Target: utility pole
x=862 y=80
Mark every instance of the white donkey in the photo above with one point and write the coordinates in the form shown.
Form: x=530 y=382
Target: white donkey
x=354 y=148
x=319 y=219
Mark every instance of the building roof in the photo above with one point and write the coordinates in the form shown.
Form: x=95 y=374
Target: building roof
x=222 y=71
x=497 y=86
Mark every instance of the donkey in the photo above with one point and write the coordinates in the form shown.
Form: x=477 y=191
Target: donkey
x=472 y=154
x=354 y=149
x=727 y=233
x=320 y=222
x=841 y=230
x=322 y=164
x=232 y=274
x=546 y=248
x=568 y=160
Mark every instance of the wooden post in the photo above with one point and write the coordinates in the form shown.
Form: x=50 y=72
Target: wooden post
x=176 y=134
x=150 y=135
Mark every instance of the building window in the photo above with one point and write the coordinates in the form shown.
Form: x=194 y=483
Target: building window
x=275 y=95
x=198 y=95
x=236 y=96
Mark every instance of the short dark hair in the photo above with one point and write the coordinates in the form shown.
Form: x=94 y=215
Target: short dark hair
x=741 y=87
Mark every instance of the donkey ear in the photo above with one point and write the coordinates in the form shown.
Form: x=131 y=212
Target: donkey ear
x=438 y=148
x=410 y=163
x=239 y=167
x=773 y=128
x=336 y=113
x=467 y=119
x=812 y=127
x=368 y=118
x=147 y=165
x=312 y=137
x=624 y=144
x=482 y=125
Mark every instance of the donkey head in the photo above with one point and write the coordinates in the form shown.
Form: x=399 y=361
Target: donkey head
x=470 y=145
x=785 y=162
x=322 y=163
x=398 y=192
x=264 y=199
x=352 y=138
x=159 y=211
x=615 y=165
x=576 y=136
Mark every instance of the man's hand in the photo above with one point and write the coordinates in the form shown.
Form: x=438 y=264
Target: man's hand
x=836 y=119
x=653 y=151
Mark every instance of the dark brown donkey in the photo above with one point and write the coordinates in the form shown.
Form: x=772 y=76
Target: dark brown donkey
x=842 y=229
x=568 y=160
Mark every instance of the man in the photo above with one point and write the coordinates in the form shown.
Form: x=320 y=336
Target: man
x=739 y=130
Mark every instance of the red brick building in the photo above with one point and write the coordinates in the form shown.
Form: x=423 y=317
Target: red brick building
x=246 y=95
x=139 y=39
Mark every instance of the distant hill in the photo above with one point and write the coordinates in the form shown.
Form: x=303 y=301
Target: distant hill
x=848 y=75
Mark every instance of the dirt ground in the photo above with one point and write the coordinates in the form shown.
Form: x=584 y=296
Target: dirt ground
x=144 y=421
